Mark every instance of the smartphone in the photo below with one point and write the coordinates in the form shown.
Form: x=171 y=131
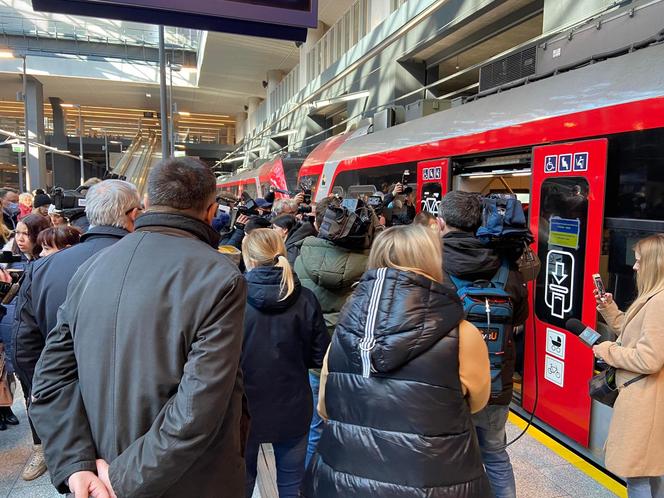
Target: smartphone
x=599 y=285
x=405 y=178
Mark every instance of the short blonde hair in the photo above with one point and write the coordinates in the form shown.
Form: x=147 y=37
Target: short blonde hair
x=264 y=247
x=413 y=248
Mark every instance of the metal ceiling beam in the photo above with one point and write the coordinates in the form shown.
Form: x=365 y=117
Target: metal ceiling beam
x=54 y=47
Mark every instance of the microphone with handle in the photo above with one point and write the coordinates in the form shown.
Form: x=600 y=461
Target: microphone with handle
x=586 y=334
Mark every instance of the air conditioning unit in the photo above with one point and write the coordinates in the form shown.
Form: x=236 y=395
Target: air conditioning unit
x=388 y=118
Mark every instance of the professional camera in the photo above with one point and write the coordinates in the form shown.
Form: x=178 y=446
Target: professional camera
x=70 y=203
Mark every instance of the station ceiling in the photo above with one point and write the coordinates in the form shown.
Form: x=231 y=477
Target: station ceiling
x=232 y=70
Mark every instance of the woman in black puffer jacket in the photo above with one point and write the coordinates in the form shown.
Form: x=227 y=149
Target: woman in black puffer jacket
x=400 y=381
x=284 y=336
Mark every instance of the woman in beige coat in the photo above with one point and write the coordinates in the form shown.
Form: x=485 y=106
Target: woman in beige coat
x=635 y=445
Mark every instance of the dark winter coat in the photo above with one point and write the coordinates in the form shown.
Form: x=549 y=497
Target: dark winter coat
x=465 y=257
x=296 y=238
x=44 y=289
x=143 y=367
x=330 y=271
x=9 y=317
x=399 y=425
x=282 y=340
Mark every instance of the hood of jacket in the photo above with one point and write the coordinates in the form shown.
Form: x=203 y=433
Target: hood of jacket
x=407 y=314
x=464 y=256
x=331 y=266
x=263 y=291
x=165 y=222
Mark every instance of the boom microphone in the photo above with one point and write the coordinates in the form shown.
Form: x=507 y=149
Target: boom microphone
x=586 y=334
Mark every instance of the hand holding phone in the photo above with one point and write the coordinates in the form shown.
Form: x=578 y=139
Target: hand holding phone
x=601 y=296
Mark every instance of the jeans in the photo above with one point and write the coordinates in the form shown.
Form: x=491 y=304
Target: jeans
x=645 y=487
x=289 y=458
x=490 y=427
x=316 y=427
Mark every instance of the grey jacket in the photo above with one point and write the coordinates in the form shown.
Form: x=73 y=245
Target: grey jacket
x=142 y=369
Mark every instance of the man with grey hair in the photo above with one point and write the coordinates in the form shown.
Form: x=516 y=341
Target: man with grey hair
x=138 y=391
x=112 y=208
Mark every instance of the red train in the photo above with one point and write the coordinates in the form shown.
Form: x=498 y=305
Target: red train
x=585 y=150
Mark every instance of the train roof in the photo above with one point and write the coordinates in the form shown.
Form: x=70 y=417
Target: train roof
x=635 y=76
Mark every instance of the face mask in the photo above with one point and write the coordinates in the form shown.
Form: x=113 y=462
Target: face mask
x=14 y=207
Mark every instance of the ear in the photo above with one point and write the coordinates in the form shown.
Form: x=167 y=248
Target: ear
x=211 y=212
x=441 y=223
x=133 y=214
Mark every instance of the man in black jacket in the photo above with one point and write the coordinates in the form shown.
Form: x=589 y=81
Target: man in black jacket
x=138 y=391
x=466 y=258
x=112 y=207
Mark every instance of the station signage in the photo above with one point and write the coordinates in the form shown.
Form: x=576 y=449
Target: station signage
x=282 y=19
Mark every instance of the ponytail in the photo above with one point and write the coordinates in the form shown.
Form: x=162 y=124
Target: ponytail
x=264 y=247
x=287 y=280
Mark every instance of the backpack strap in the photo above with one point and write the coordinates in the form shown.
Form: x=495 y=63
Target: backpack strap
x=458 y=283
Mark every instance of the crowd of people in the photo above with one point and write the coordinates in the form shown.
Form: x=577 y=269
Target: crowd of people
x=159 y=348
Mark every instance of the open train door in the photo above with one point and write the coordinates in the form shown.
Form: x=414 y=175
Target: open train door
x=433 y=182
x=567 y=213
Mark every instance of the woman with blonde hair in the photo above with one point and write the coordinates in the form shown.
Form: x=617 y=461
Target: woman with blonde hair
x=284 y=336
x=403 y=375
x=634 y=448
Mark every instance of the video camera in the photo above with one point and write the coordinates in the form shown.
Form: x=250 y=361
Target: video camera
x=71 y=203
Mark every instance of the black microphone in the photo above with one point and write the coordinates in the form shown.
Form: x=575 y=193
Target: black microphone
x=586 y=334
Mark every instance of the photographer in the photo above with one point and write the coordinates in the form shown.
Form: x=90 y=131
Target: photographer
x=112 y=207
x=402 y=203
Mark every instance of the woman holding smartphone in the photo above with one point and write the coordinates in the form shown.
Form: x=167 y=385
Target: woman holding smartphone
x=634 y=447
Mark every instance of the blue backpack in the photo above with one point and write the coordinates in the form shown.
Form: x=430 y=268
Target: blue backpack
x=488 y=306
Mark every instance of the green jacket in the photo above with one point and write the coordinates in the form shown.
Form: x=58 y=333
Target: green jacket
x=330 y=272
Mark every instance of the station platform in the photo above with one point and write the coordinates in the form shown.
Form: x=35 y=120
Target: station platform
x=543 y=468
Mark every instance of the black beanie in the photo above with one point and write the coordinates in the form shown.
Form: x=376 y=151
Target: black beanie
x=41 y=199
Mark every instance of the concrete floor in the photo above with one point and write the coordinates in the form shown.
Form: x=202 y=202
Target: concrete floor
x=539 y=472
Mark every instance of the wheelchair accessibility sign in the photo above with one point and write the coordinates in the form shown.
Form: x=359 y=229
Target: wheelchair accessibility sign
x=566 y=163
x=554 y=370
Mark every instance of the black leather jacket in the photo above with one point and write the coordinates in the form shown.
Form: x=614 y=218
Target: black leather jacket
x=143 y=370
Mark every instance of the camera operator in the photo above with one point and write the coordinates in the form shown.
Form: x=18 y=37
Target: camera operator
x=330 y=270
x=78 y=217
x=112 y=207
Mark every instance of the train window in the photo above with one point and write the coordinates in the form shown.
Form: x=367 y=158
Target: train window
x=250 y=188
x=562 y=234
x=381 y=177
x=635 y=176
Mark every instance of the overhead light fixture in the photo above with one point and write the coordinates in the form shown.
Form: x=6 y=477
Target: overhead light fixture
x=522 y=173
x=180 y=146
x=233 y=160
x=117 y=142
x=286 y=133
x=478 y=176
x=184 y=113
x=318 y=104
x=148 y=95
x=7 y=54
x=68 y=106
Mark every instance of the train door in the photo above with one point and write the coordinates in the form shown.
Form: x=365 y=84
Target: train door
x=567 y=209
x=433 y=180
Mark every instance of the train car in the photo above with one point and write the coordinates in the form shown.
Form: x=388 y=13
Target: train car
x=585 y=149
x=310 y=175
x=280 y=172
